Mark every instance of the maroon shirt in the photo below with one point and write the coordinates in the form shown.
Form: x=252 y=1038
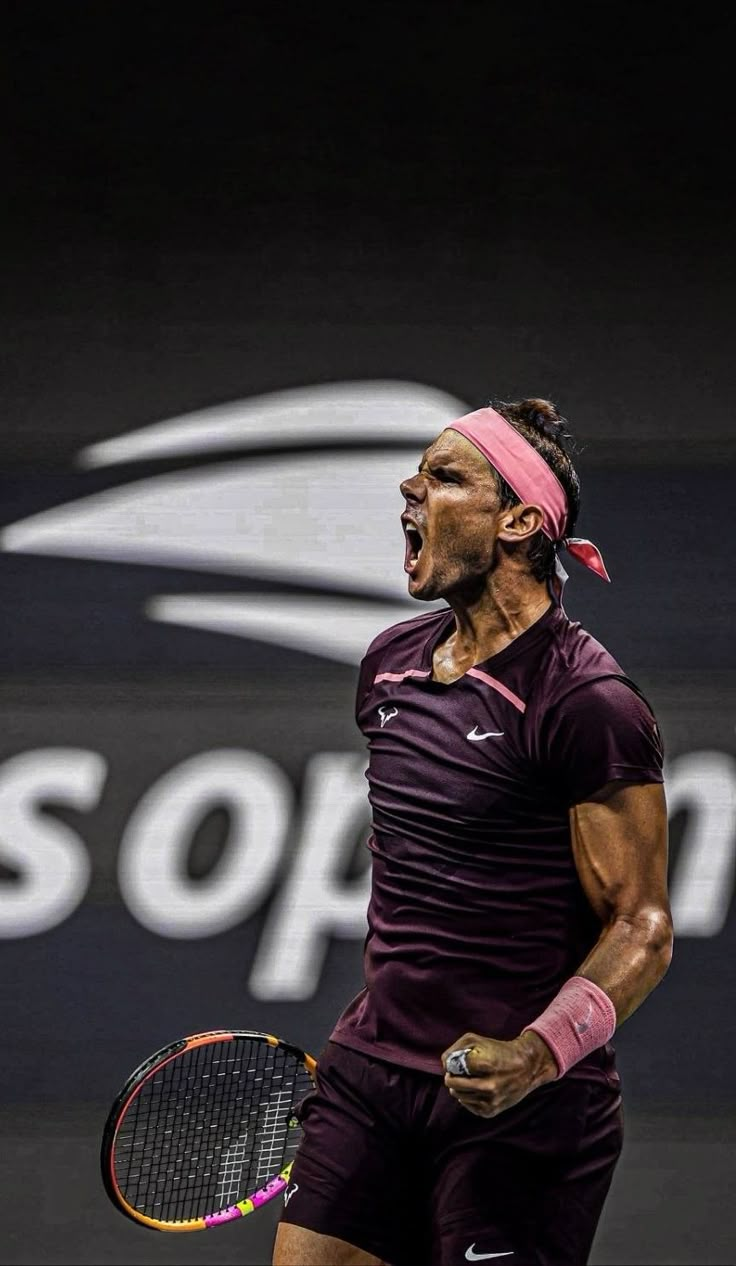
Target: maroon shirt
x=477 y=916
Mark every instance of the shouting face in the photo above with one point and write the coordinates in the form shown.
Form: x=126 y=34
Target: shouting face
x=451 y=520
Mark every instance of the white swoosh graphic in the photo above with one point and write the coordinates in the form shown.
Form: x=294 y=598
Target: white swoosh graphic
x=337 y=628
x=329 y=520
x=475 y=737
x=332 y=521
x=481 y=1257
x=312 y=414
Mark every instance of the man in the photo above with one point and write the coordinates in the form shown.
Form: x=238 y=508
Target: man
x=468 y=1107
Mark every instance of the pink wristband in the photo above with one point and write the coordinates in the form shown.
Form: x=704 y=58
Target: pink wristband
x=577 y=1021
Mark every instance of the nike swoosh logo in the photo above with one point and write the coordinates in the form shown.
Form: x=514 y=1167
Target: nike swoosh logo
x=470 y=1256
x=475 y=737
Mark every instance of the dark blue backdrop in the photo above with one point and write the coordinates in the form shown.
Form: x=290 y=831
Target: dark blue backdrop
x=455 y=201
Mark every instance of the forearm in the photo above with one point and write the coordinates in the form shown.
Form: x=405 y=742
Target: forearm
x=630 y=958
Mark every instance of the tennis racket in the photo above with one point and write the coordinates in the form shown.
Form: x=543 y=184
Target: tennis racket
x=204 y=1131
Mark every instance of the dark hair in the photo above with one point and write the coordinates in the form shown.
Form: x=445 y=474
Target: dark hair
x=540 y=423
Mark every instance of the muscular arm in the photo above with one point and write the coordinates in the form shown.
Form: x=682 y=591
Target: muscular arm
x=619 y=841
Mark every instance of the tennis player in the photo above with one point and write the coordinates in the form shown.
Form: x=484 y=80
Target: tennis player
x=468 y=1106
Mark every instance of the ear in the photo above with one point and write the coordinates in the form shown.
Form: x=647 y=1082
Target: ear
x=519 y=523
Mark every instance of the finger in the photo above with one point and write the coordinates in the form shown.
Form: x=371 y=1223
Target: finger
x=474 y=1099
x=479 y=1083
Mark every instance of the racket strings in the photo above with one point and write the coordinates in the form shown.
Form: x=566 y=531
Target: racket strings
x=208 y=1128
x=267 y=1155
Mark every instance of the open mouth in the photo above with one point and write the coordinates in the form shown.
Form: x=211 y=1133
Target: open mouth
x=414 y=543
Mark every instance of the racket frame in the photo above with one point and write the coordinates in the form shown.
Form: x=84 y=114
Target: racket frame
x=132 y=1087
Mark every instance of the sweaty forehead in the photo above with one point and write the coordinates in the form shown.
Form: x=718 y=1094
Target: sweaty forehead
x=451 y=446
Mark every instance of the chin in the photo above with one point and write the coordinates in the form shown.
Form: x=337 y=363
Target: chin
x=424 y=591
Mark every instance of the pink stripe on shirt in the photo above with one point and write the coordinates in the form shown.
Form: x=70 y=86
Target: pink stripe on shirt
x=472 y=672
x=499 y=686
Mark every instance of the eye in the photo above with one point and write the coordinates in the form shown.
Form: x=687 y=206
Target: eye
x=442 y=474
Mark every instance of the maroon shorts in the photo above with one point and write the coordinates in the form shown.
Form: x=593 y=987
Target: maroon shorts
x=392 y=1164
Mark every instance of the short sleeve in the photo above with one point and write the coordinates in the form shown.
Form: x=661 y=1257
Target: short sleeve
x=602 y=731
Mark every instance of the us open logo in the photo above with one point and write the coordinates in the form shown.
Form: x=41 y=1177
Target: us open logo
x=299 y=489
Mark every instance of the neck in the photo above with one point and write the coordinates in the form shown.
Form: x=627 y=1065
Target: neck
x=488 y=621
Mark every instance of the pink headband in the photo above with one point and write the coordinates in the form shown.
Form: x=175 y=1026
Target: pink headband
x=519 y=463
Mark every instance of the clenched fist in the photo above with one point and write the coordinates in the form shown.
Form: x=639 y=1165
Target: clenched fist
x=500 y=1073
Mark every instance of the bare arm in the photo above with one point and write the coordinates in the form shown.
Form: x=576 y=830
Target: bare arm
x=619 y=841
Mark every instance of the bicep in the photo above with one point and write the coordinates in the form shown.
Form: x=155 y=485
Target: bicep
x=619 y=843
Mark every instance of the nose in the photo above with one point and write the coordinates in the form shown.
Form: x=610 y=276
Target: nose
x=413 y=488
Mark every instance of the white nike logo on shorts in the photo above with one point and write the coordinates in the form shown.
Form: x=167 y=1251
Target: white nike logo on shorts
x=471 y=1256
x=475 y=737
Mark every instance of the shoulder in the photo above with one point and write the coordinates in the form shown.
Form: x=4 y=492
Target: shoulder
x=603 y=731
x=580 y=681
x=614 y=699
x=572 y=658
x=576 y=656
x=588 y=676
x=593 y=723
